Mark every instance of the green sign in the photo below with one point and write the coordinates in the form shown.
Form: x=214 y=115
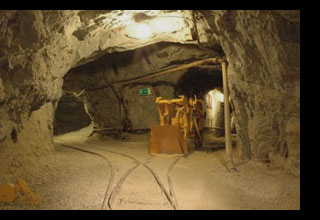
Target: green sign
x=145 y=91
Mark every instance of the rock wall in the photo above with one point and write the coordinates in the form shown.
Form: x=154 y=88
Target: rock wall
x=25 y=142
x=263 y=51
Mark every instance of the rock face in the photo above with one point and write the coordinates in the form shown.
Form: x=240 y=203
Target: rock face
x=39 y=47
x=263 y=51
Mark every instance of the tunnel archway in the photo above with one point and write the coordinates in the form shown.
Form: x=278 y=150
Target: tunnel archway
x=70 y=115
x=199 y=81
x=206 y=84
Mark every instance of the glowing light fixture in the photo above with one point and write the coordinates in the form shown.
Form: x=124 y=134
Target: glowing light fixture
x=143 y=31
x=218 y=95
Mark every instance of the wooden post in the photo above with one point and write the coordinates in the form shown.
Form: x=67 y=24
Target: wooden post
x=227 y=122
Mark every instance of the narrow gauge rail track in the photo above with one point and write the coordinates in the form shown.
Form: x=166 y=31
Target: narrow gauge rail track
x=109 y=197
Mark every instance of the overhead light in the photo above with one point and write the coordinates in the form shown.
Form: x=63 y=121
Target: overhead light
x=155 y=25
x=218 y=95
x=143 y=31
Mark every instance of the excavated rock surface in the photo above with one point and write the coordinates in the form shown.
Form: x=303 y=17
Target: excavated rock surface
x=26 y=143
x=263 y=51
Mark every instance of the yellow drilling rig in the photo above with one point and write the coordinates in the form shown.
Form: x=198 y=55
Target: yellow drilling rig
x=181 y=125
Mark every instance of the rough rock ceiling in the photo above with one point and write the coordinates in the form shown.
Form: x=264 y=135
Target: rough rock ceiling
x=119 y=30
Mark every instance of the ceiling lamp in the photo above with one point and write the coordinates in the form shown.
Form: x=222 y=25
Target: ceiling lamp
x=218 y=95
x=143 y=31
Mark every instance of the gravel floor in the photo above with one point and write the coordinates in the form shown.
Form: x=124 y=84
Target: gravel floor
x=74 y=179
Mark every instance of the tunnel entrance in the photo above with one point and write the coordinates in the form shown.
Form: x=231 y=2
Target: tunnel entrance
x=206 y=84
x=199 y=81
x=70 y=115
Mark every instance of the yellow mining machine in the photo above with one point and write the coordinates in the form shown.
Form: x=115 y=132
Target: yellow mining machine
x=181 y=124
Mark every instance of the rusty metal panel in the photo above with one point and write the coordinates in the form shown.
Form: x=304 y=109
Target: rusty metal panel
x=166 y=140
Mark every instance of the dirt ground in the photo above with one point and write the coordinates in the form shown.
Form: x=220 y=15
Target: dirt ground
x=94 y=173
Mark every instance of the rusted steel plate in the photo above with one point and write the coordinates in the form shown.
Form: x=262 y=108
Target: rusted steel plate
x=166 y=140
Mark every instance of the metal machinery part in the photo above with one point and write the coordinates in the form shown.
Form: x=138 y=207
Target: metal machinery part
x=181 y=125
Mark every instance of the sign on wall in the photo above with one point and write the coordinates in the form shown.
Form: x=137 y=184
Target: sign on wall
x=145 y=91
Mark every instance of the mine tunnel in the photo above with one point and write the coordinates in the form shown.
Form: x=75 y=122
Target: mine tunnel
x=150 y=110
